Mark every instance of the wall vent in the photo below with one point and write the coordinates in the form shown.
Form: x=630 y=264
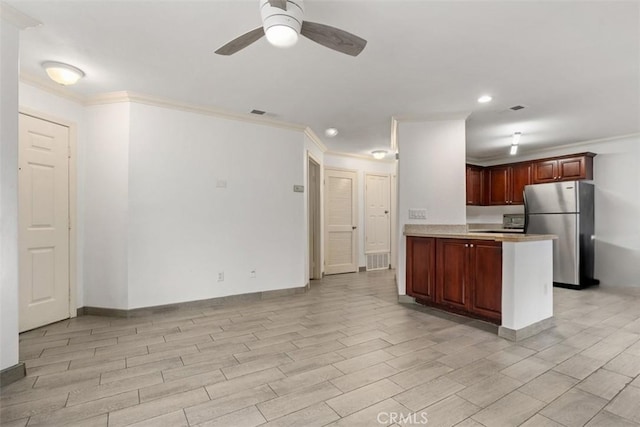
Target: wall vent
x=377 y=261
x=258 y=112
x=516 y=107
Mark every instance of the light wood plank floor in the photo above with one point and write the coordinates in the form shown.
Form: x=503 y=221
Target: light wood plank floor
x=345 y=353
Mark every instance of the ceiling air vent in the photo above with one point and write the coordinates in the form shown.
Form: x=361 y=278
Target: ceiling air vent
x=258 y=112
x=516 y=107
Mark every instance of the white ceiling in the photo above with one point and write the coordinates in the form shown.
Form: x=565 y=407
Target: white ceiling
x=575 y=65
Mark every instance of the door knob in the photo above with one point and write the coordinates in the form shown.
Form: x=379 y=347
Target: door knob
x=386 y=212
x=353 y=227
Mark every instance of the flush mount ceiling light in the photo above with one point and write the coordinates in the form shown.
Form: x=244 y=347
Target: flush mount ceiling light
x=484 y=99
x=61 y=73
x=379 y=154
x=514 y=143
x=331 y=132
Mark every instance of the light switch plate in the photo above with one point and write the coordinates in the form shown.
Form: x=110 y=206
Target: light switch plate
x=417 y=213
x=298 y=188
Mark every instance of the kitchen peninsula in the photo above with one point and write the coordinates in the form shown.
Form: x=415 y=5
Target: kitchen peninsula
x=505 y=278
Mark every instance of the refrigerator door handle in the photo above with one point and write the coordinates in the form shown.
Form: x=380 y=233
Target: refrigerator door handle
x=526 y=211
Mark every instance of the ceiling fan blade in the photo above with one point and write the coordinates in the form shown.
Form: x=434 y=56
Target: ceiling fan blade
x=333 y=38
x=280 y=4
x=241 y=42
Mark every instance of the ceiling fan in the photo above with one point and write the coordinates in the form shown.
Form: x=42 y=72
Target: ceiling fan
x=282 y=22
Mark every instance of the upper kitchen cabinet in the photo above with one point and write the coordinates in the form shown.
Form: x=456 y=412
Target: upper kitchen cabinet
x=520 y=176
x=475 y=183
x=506 y=183
x=565 y=168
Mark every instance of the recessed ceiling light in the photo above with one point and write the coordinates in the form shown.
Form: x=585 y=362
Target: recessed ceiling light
x=514 y=143
x=516 y=138
x=331 y=132
x=61 y=73
x=484 y=99
x=379 y=154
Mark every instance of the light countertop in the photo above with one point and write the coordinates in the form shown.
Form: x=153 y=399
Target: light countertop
x=460 y=232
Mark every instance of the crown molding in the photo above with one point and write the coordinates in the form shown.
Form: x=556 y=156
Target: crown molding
x=48 y=85
x=435 y=117
x=359 y=156
x=315 y=139
x=547 y=151
x=139 y=98
x=19 y=19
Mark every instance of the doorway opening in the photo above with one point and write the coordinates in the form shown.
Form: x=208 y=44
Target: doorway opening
x=315 y=233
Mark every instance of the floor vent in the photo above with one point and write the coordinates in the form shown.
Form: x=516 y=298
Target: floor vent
x=377 y=261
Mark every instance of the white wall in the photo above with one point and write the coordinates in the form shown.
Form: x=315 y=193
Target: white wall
x=106 y=206
x=362 y=167
x=491 y=214
x=8 y=195
x=431 y=176
x=43 y=103
x=183 y=229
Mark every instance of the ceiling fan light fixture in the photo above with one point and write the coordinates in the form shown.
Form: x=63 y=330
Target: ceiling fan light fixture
x=281 y=36
x=62 y=73
x=379 y=154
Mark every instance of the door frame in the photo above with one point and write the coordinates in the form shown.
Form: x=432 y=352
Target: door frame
x=317 y=271
x=364 y=225
x=356 y=212
x=72 y=164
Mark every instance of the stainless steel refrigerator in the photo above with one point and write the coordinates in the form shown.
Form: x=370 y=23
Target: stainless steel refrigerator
x=566 y=210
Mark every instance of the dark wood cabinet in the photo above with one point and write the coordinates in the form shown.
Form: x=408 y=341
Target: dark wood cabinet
x=566 y=168
x=452 y=278
x=506 y=183
x=486 y=279
x=459 y=275
x=520 y=176
x=475 y=184
x=421 y=257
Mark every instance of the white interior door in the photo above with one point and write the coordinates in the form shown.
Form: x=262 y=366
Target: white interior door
x=341 y=221
x=43 y=209
x=377 y=198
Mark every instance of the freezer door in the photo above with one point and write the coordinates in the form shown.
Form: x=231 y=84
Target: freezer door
x=555 y=197
x=566 y=261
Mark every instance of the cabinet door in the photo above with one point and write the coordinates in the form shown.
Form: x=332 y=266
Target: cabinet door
x=485 y=268
x=499 y=185
x=520 y=176
x=572 y=168
x=545 y=171
x=452 y=287
x=474 y=185
x=421 y=258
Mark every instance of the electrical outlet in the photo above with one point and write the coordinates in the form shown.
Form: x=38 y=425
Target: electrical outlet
x=252 y=273
x=221 y=276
